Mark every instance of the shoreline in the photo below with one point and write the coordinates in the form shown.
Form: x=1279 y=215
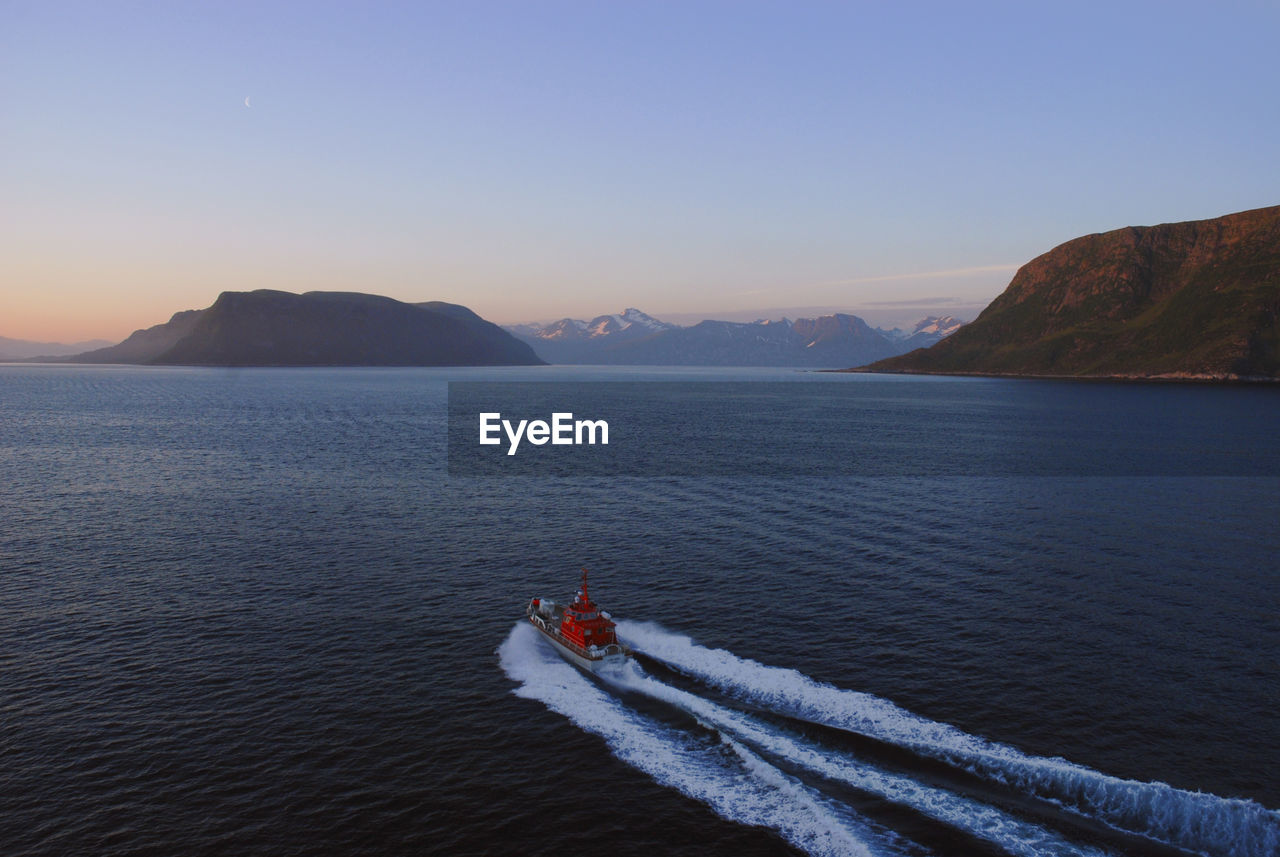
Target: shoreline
x=1164 y=377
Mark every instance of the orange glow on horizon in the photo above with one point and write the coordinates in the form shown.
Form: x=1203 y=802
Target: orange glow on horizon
x=70 y=323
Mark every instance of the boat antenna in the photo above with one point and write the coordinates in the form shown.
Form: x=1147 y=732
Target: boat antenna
x=584 y=586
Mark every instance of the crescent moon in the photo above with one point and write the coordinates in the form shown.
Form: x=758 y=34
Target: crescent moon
x=246 y=102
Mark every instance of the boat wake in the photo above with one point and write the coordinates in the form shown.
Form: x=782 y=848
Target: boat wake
x=1191 y=821
x=749 y=765
x=737 y=784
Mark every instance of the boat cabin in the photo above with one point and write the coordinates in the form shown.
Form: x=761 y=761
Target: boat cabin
x=584 y=623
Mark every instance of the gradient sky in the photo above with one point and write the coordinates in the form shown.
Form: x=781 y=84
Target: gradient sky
x=540 y=159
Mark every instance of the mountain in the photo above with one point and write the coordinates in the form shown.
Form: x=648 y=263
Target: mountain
x=1193 y=299
x=629 y=324
x=22 y=349
x=927 y=331
x=571 y=340
x=143 y=346
x=633 y=338
x=714 y=343
x=271 y=328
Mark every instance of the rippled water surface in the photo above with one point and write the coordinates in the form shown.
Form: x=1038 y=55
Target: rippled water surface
x=249 y=612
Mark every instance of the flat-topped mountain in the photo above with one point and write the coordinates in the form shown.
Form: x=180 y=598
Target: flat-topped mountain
x=1194 y=299
x=272 y=328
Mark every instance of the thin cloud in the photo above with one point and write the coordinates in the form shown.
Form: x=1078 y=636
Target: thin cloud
x=923 y=275
x=946 y=300
x=888 y=278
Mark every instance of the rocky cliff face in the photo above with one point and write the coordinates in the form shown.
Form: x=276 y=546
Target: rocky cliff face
x=1200 y=298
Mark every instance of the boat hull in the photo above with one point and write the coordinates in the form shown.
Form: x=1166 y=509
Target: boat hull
x=582 y=660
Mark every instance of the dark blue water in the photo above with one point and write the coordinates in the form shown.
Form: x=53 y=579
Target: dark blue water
x=249 y=612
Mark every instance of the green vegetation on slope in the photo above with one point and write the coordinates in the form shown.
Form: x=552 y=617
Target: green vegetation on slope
x=1195 y=298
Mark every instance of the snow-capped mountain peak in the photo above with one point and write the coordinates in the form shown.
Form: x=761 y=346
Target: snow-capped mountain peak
x=628 y=324
x=636 y=338
x=631 y=315
x=926 y=331
x=938 y=325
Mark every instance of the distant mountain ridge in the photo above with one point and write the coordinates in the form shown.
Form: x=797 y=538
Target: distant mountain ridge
x=572 y=340
x=23 y=349
x=1194 y=299
x=630 y=323
x=635 y=338
x=274 y=328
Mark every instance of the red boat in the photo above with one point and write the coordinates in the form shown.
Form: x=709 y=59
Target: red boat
x=581 y=632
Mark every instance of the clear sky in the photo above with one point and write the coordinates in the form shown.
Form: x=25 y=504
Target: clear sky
x=540 y=159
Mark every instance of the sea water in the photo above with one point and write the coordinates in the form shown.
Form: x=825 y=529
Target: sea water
x=251 y=611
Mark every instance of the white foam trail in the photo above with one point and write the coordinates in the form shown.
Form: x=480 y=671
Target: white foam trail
x=751 y=794
x=1011 y=834
x=1205 y=823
